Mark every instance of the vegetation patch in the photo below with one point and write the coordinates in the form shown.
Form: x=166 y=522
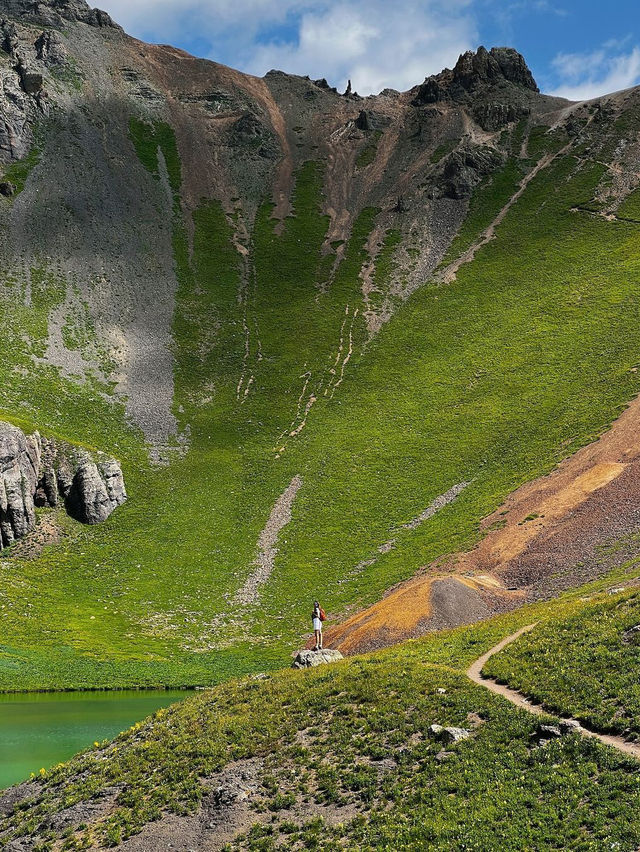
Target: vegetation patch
x=443 y=149
x=486 y=202
x=583 y=663
x=368 y=152
x=18 y=172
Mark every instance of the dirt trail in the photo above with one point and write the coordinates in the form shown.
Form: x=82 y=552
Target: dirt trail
x=474 y=673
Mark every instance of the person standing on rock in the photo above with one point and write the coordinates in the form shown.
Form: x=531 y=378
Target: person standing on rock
x=318 y=616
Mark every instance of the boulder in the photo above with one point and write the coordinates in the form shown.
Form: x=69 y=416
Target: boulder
x=370 y=120
x=549 y=732
x=31 y=81
x=7 y=188
x=307 y=659
x=448 y=735
x=569 y=726
x=632 y=635
x=454 y=735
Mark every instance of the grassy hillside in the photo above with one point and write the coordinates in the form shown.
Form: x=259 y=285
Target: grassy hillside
x=344 y=756
x=492 y=379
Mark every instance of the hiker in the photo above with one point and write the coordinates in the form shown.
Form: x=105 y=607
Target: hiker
x=318 y=616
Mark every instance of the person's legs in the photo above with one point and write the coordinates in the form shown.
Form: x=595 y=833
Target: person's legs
x=316 y=636
x=320 y=639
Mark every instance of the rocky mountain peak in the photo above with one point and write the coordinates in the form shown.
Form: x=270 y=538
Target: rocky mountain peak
x=486 y=66
x=54 y=13
x=478 y=73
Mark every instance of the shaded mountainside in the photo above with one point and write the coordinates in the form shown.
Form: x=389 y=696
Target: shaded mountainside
x=325 y=335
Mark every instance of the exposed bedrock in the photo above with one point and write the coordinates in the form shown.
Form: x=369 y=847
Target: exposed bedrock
x=464 y=169
x=54 y=13
x=37 y=471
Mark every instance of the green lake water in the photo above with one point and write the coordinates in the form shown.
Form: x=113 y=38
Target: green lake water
x=38 y=730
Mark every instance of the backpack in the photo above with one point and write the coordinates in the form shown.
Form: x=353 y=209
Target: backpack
x=323 y=615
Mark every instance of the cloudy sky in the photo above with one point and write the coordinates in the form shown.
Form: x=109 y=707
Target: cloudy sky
x=576 y=48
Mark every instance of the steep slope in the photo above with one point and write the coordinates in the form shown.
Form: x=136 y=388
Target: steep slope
x=406 y=305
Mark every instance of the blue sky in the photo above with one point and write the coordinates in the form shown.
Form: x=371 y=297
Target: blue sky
x=575 y=48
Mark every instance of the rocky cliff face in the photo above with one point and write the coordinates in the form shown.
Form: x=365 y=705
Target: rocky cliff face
x=37 y=471
x=56 y=13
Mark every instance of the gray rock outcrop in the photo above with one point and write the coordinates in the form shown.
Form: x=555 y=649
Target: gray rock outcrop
x=19 y=473
x=371 y=120
x=22 y=95
x=477 y=72
x=544 y=734
x=465 y=168
x=14 y=112
x=36 y=471
x=54 y=13
x=50 y=49
x=307 y=659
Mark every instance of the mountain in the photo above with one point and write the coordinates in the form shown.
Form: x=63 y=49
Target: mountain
x=326 y=337
x=263 y=343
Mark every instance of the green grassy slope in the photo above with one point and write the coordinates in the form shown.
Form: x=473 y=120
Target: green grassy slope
x=353 y=738
x=523 y=359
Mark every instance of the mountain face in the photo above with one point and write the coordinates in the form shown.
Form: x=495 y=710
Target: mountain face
x=240 y=140
x=326 y=336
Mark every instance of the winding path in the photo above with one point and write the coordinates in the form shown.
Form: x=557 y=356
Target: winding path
x=474 y=672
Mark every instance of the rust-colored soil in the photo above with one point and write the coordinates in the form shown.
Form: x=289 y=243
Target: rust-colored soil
x=547 y=536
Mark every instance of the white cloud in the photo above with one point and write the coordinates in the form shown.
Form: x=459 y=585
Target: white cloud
x=599 y=72
x=375 y=43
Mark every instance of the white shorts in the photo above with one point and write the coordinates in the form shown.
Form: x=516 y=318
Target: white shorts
x=317 y=624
